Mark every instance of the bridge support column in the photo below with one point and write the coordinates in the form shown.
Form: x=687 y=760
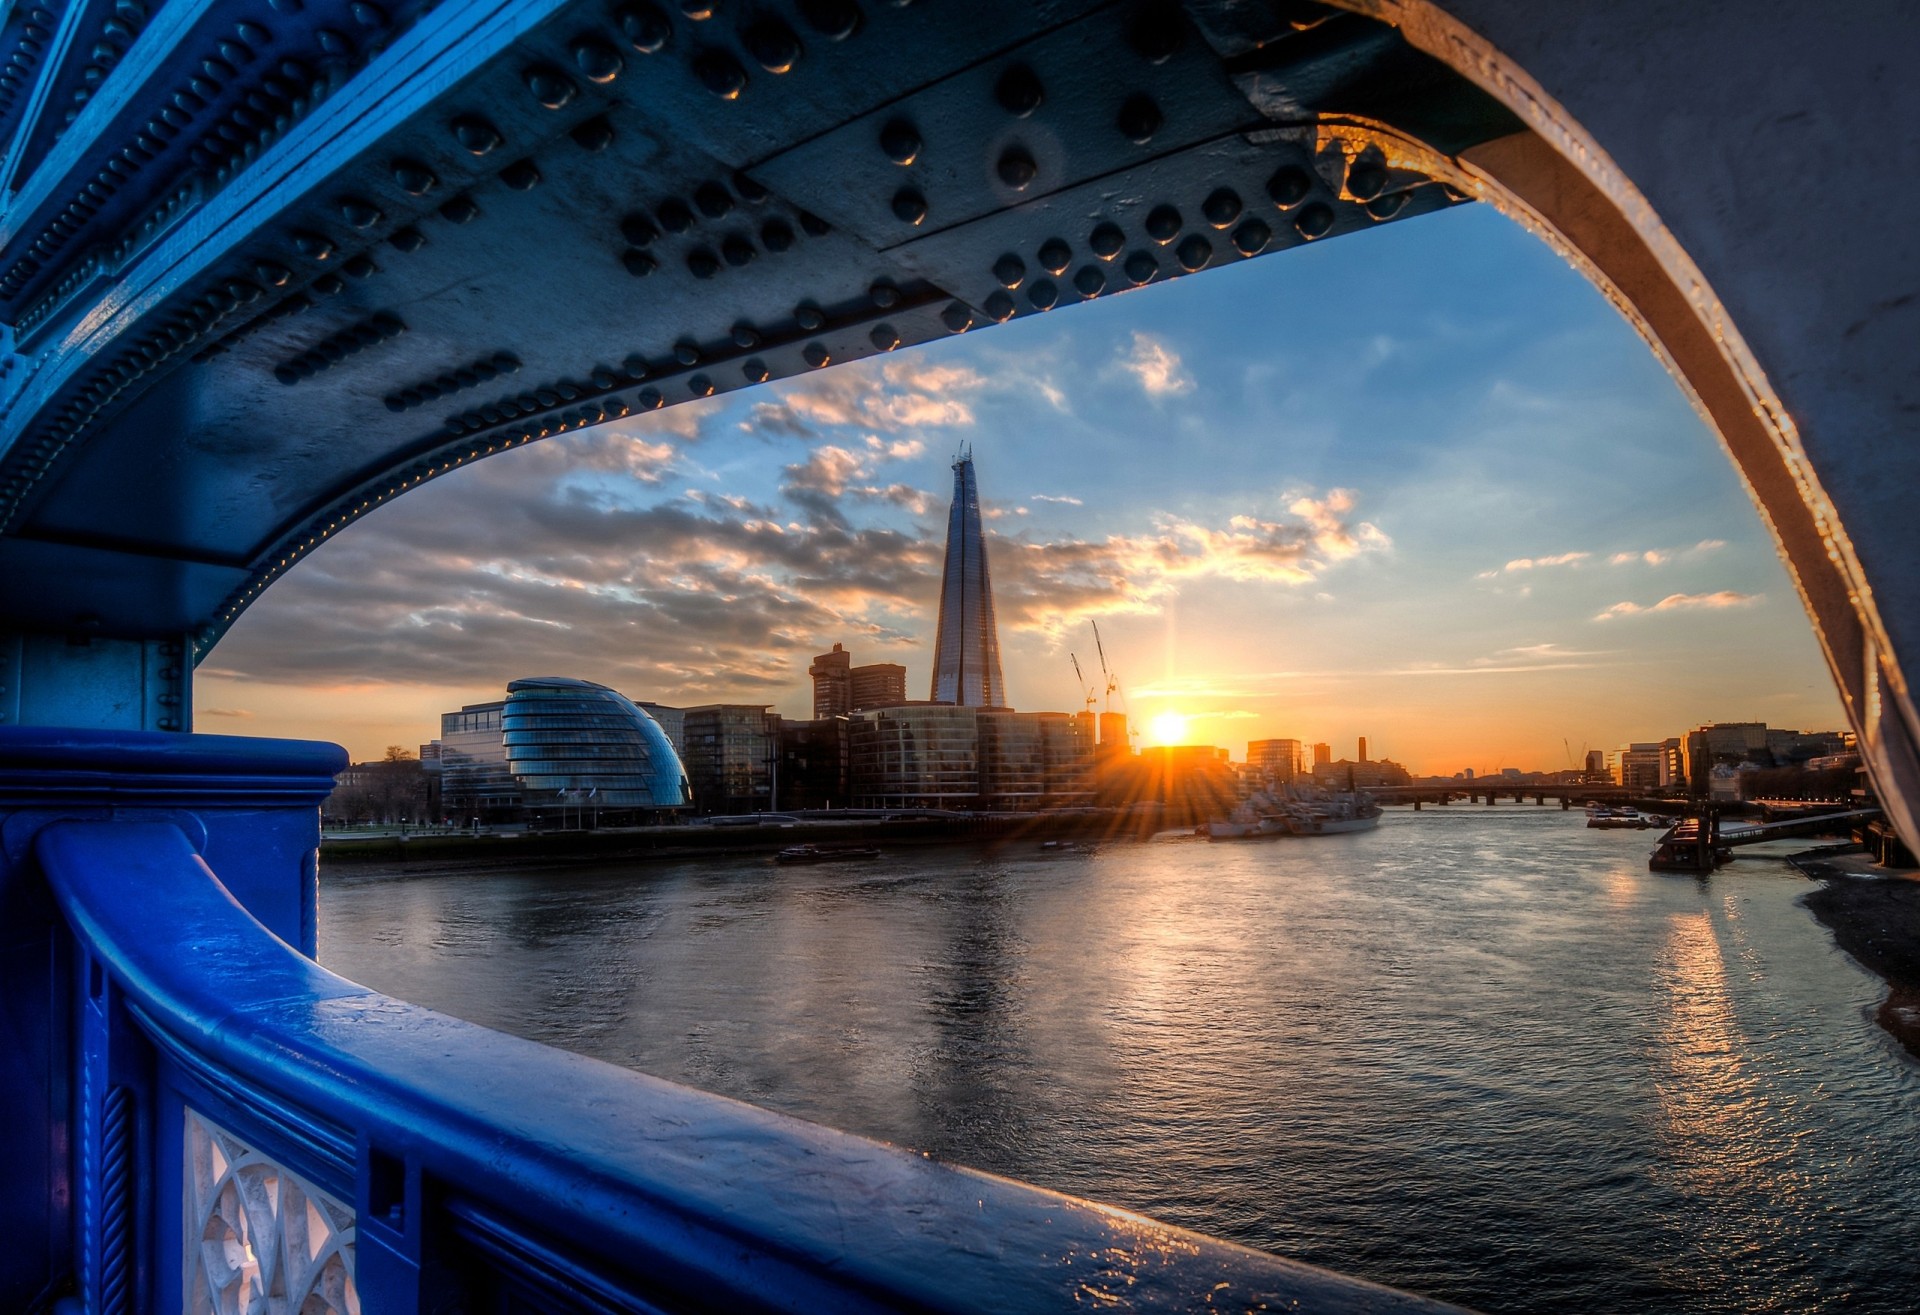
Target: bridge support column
x=97 y=683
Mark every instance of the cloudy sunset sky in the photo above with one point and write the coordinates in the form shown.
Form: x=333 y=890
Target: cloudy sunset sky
x=1420 y=484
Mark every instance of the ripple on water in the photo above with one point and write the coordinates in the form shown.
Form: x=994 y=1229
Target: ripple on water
x=1479 y=1053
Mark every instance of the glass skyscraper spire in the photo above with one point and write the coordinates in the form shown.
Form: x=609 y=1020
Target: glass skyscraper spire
x=966 y=648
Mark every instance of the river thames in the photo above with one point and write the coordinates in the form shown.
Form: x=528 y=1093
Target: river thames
x=1480 y=1053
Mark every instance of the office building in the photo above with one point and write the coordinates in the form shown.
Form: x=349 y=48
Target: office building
x=476 y=788
x=811 y=768
x=1322 y=755
x=1113 y=734
x=918 y=755
x=729 y=752
x=966 y=646
x=877 y=685
x=839 y=687
x=1278 y=761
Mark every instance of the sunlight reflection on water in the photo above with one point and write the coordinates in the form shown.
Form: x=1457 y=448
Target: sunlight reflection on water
x=1479 y=1053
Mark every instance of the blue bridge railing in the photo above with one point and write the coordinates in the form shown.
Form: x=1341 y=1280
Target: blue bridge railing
x=246 y=1124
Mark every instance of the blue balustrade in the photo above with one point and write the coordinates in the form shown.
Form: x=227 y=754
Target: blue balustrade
x=239 y=1117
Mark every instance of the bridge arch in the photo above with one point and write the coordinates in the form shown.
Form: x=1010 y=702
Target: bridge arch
x=227 y=345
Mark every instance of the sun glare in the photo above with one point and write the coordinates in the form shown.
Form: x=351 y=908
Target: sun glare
x=1170 y=728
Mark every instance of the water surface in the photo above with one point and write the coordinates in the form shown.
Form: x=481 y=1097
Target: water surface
x=1479 y=1053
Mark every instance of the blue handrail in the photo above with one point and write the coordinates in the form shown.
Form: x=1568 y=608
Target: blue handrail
x=643 y=1194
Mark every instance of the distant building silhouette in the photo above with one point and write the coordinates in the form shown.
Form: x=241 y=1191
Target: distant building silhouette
x=1322 y=754
x=966 y=647
x=1279 y=760
x=839 y=687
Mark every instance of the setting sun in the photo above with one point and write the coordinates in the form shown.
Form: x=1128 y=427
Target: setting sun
x=1170 y=728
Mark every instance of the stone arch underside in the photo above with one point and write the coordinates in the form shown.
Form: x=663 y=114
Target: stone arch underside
x=277 y=269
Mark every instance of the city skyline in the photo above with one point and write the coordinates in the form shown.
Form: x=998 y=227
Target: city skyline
x=1472 y=529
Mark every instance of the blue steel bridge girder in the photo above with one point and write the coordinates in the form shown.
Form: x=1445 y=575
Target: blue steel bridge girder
x=517 y=220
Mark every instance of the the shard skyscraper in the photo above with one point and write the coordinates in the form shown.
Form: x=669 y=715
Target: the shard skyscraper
x=966 y=649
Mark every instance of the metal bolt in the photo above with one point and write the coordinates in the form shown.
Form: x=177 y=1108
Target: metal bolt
x=773 y=44
x=647 y=29
x=1018 y=91
x=1107 y=241
x=1194 y=252
x=549 y=85
x=1314 y=221
x=909 y=207
x=1140 y=118
x=957 y=317
x=1043 y=294
x=598 y=59
x=756 y=371
x=1090 y=280
x=900 y=142
x=720 y=73
x=884 y=337
x=1289 y=187
x=1141 y=267
x=1000 y=306
x=701 y=386
x=476 y=135
x=1010 y=270
x=1163 y=224
x=809 y=317
x=745 y=335
x=1251 y=238
x=1016 y=168
x=883 y=294
x=1221 y=207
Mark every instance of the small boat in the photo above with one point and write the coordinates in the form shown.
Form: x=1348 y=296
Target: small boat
x=1059 y=848
x=825 y=853
x=1619 y=819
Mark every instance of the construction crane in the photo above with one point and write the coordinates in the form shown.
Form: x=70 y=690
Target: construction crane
x=1087 y=690
x=1113 y=682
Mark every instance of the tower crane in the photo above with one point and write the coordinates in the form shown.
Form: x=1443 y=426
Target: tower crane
x=1089 y=697
x=1113 y=682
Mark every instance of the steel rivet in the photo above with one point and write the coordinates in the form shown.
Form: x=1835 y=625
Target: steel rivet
x=883 y=294
x=957 y=317
x=900 y=142
x=686 y=352
x=476 y=135
x=460 y=210
x=1163 y=224
x=714 y=200
x=1139 y=118
x=329 y=284
x=809 y=317
x=814 y=225
x=700 y=386
x=1387 y=206
x=1366 y=179
x=596 y=134
x=1156 y=34
x=756 y=371
x=638 y=230
x=1221 y=207
x=1055 y=255
x=1016 y=168
x=314 y=246
x=1314 y=221
x=702 y=263
x=909 y=207
x=1289 y=187
x=1010 y=270
x=549 y=85
x=745 y=335
x=674 y=216
x=1090 y=279
x=884 y=337
x=775 y=235
x=1019 y=92
x=1043 y=294
x=720 y=73
x=816 y=355
x=521 y=176
x=639 y=263
x=635 y=366
x=646 y=27
x=415 y=179
x=649 y=399
x=834 y=19
x=598 y=59
x=1141 y=267
x=773 y=44
x=1000 y=306
x=698 y=10
x=1106 y=241
x=1252 y=237
x=1194 y=253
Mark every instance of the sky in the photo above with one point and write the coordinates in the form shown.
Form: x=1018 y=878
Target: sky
x=1421 y=484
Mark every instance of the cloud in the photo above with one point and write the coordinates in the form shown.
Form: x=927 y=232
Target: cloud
x=1156 y=366
x=1661 y=556
x=883 y=396
x=1541 y=563
x=1066 y=499
x=1716 y=601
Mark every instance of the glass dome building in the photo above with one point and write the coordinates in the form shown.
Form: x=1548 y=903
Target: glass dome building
x=574 y=744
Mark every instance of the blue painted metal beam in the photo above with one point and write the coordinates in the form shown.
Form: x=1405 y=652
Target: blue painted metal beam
x=545 y=1167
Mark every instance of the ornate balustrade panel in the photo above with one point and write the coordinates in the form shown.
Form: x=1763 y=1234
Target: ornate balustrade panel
x=438 y=1162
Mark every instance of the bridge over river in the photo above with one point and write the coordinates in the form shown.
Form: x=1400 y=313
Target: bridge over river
x=266 y=265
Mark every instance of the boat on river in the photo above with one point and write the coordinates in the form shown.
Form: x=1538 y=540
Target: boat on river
x=1319 y=813
x=825 y=853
